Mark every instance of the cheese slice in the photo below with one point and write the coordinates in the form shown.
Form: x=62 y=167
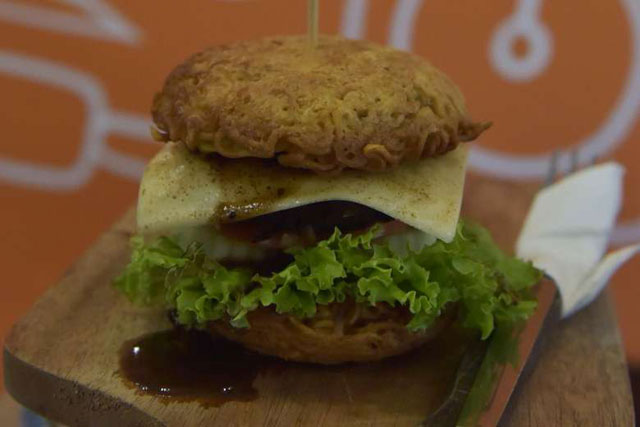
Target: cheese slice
x=181 y=190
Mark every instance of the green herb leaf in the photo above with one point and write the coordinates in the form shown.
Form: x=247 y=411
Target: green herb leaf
x=489 y=286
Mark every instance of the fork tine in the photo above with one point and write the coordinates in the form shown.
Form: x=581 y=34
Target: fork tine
x=553 y=169
x=573 y=166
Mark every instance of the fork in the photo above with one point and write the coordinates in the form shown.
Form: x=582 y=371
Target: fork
x=553 y=173
x=449 y=412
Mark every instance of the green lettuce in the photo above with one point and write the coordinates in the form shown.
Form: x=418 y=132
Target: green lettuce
x=489 y=287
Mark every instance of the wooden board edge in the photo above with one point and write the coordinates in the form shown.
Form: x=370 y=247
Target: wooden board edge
x=74 y=404
x=32 y=386
x=122 y=228
x=603 y=303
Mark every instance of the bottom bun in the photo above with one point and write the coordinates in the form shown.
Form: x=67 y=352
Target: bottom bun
x=338 y=333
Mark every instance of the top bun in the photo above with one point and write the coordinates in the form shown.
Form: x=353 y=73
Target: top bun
x=340 y=104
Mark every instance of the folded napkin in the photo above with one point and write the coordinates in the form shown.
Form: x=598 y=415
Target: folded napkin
x=567 y=231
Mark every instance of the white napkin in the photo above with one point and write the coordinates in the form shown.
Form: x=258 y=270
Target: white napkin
x=567 y=231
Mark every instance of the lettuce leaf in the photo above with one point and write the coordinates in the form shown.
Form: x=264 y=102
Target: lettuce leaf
x=489 y=286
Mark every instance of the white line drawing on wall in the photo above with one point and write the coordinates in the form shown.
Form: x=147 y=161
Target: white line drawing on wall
x=525 y=23
x=604 y=140
x=100 y=20
x=609 y=136
x=354 y=18
x=100 y=122
x=405 y=12
x=403 y=20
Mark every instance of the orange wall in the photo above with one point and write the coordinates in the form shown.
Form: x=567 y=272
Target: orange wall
x=115 y=61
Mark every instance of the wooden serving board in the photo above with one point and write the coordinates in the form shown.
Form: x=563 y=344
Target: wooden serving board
x=61 y=359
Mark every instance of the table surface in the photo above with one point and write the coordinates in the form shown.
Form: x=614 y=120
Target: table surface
x=54 y=362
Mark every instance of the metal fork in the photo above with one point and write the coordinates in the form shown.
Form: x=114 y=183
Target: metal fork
x=448 y=413
x=553 y=173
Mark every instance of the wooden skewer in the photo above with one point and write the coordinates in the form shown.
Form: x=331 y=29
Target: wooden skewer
x=312 y=26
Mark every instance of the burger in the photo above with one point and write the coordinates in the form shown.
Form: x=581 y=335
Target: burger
x=306 y=204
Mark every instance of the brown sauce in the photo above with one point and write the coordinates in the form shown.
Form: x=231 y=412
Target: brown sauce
x=190 y=365
x=249 y=186
x=184 y=366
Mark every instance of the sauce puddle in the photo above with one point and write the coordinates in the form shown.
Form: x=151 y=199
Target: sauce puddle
x=192 y=366
x=183 y=365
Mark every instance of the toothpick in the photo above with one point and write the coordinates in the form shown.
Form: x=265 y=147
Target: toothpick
x=312 y=23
